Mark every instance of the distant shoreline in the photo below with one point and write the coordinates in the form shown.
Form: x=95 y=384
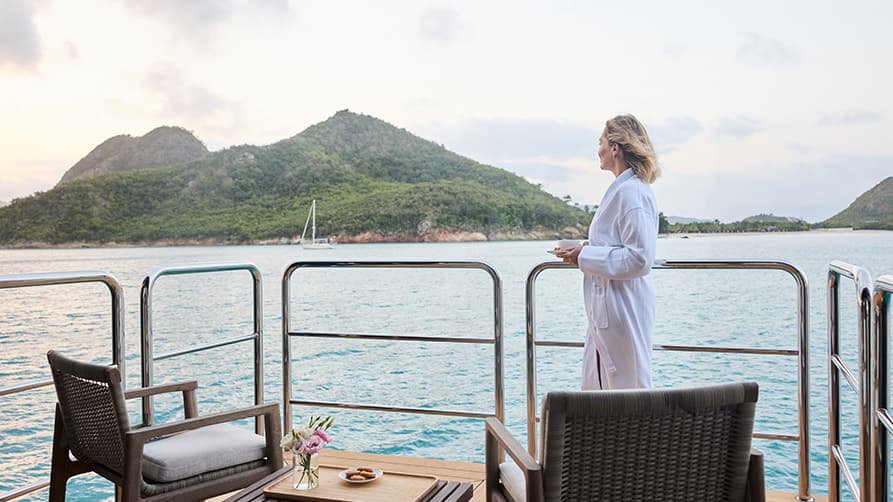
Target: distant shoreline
x=374 y=238
x=697 y=235
x=363 y=238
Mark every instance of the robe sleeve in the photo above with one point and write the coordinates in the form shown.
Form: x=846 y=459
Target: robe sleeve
x=633 y=258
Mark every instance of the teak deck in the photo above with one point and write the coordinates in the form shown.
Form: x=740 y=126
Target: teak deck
x=465 y=472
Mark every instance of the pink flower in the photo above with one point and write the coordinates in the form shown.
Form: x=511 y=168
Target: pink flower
x=322 y=435
x=309 y=439
x=312 y=444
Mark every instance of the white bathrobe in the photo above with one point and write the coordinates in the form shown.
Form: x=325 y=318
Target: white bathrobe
x=617 y=290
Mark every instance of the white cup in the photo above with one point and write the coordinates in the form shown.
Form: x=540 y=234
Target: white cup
x=567 y=243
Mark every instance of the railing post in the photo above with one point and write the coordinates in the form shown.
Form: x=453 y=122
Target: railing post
x=861 y=385
x=833 y=389
x=530 y=314
x=882 y=422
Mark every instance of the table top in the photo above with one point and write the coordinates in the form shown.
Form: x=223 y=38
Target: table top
x=456 y=480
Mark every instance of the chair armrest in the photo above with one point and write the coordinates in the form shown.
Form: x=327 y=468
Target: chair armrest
x=190 y=404
x=497 y=436
x=504 y=439
x=756 y=479
x=144 y=434
x=160 y=389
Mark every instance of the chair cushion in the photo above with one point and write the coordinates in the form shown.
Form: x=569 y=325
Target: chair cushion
x=202 y=450
x=512 y=479
x=256 y=470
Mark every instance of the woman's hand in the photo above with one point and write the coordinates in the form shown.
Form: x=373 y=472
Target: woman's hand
x=569 y=255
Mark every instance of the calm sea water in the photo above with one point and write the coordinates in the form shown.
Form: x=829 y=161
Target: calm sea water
x=738 y=308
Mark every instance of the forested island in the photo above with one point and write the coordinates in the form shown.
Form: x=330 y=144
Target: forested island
x=757 y=223
x=373 y=182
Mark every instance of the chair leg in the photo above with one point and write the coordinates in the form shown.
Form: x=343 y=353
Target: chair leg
x=756 y=478
x=59 y=467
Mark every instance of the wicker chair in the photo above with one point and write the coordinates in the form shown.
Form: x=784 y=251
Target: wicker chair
x=192 y=459
x=623 y=445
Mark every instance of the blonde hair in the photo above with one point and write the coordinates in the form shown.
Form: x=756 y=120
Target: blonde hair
x=630 y=135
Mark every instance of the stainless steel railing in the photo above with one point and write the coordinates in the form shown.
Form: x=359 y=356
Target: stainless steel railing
x=861 y=385
x=882 y=420
x=801 y=352
x=58 y=278
x=496 y=341
x=146 y=333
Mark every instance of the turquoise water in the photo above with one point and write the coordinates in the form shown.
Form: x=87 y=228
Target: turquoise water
x=740 y=308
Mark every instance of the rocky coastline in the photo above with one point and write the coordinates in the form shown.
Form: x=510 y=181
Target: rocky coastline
x=433 y=235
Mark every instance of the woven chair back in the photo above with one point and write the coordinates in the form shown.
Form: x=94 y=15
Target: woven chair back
x=91 y=400
x=654 y=444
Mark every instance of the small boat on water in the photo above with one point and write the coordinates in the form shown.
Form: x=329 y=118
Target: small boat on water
x=313 y=243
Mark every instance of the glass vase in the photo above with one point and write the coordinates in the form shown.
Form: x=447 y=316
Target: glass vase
x=306 y=470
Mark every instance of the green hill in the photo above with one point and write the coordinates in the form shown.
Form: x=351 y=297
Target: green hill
x=872 y=210
x=771 y=218
x=369 y=178
x=162 y=146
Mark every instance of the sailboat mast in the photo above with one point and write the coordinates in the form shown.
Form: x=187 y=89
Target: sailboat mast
x=304 y=233
x=313 y=212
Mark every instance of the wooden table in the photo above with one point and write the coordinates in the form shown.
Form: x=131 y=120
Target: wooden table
x=457 y=481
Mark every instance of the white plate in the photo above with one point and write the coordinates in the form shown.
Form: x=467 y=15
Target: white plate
x=376 y=470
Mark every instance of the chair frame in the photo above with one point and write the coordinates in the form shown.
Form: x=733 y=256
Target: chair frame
x=129 y=484
x=499 y=440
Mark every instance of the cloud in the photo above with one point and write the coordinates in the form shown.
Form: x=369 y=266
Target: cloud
x=738 y=127
x=675 y=51
x=813 y=191
x=797 y=148
x=439 y=25
x=19 y=40
x=495 y=140
x=505 y=139
x=179 y=97
x=195 y=17
x=72 y=51
x=675 y=131
x=849 y=118
x=194 y=13
x=762 y=50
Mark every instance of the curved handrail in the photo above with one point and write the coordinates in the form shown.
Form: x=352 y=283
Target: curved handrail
x=59 y=278
x=497 y=339
x=146 y=333
x=802 y=351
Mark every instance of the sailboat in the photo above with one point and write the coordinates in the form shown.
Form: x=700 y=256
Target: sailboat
x=313 y=243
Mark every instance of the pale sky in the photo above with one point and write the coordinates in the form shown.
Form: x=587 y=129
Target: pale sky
x=759 y=106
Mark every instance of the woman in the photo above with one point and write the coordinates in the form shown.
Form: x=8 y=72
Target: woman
x=616 y=260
